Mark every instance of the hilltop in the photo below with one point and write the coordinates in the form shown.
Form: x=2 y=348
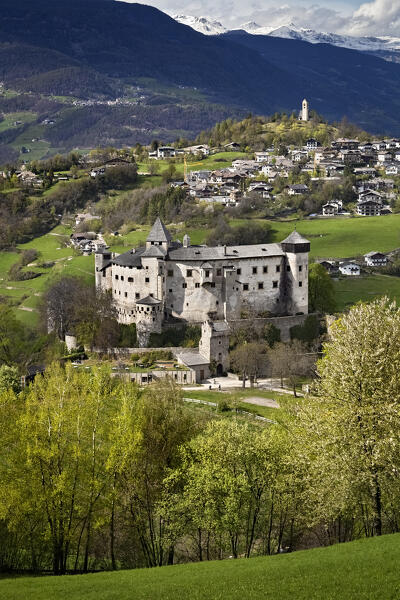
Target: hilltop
x=113 y=73
x=364 y=570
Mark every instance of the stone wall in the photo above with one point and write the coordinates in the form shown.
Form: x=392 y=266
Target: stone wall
x=284 y=324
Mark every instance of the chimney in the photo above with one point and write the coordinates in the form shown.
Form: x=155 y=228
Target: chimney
x=224 y=249
x=186 y=241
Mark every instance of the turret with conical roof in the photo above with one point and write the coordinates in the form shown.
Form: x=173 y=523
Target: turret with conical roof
x=159 y=235
x=295 y=243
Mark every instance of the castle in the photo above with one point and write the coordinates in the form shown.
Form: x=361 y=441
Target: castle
x=168 y=280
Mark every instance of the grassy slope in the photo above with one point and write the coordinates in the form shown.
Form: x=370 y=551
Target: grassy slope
x=362 y=570
x=26 y=294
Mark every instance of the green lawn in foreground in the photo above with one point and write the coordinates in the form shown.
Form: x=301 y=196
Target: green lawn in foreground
x=350 y=290
x=362 y=570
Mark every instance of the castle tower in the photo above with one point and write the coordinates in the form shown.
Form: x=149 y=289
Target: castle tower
x=214 y=344
x=149 y=316
x=304 y=110
x=159 y=236
x=297 y=249
x=102 y=258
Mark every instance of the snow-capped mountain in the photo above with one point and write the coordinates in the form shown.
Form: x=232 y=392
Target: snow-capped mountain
x=201 y=24
x=366 y=44
x=291 y=31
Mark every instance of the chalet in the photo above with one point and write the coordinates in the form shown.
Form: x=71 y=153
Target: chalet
x=369 y=208
x=397 y=155
x=232 y=146
x=261 y=190
x=384 y=156
x=261 y=157
x=312 y=144
x=350 y=269
x=351 y=157
x=330 y=266
x=330 y=209
x=379 y=144
x=370 y=171
x=375 y=259
x=345 y=144
x=298 y=155
x=297 y=189
x=166 y=152
x=200 y=150
x=392 y=169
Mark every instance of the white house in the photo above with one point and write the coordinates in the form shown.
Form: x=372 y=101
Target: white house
x=375 y=259
x=332 y=208
x=350 y=269
x=261 y=157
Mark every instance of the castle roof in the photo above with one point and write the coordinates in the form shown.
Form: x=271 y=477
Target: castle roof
x=205 y=253
x=131 y=258
x=154 y=252
x=159 y=233
x=148 y=301
x=295 y=238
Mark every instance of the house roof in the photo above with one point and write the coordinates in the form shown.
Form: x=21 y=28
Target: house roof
x=192 y=359
x=154 y=252
x=159 y=233
x=371 y=254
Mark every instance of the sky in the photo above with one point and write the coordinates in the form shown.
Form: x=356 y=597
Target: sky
x=351 y=17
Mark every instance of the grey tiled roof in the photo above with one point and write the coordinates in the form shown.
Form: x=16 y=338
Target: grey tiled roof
x=295 y=238
x=129 y=259
x=159 y=233
x=192 y=359
x=204 y=253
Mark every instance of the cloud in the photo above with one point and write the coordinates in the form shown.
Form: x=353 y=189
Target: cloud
x=375 y=17
x=379 y=17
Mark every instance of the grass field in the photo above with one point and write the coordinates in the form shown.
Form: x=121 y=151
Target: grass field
x=366 y=288
x=26 y=294
x=236 y=398
x=361 y=570
x=344 y=238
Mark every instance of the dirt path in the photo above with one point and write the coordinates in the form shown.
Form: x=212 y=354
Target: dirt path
x=257 y=401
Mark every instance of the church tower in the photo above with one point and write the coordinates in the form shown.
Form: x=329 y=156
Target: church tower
x=304 y=111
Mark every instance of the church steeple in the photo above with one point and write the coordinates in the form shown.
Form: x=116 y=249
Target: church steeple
x=304 y=110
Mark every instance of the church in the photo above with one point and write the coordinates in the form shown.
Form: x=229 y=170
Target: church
x=168 y=280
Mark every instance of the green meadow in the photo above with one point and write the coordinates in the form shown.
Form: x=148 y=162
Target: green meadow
x=361 y=570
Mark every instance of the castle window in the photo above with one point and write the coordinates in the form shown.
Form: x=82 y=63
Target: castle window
x=104 y=273
x=126 y=294
x=197 y=285
x=116 y=277
x=172 y=306
x=207 y=273
x=154 y=319
x=170 y=273
x=122 y=277
x=119 y=293
x=219 y=272
x=300 y=268
x=130 y=279
x=274 y=284
x=184 y=285
x=245 y=287
x=170 y=291
x=146 y=279
x=238 y=271
x=254 y=270
x=137 y=296
x=189 y=273
x=213 y=284
x=260 y=286
x=151 y=296
x=219 y=342
x=187 y=303
x=152 y=243
x=287 y=267
x=300 y=284
x=278 y=268
x=217 y=302
x=115 y=291
x=265 y=269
